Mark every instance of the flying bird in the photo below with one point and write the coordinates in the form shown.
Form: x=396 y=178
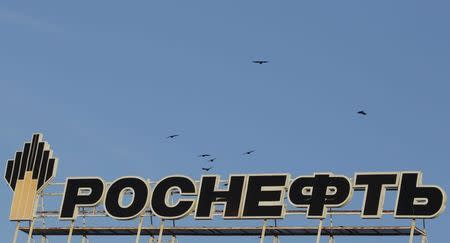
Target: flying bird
x=173 y=136
x=212 y=160
x=362 y=113
x=207 y=169
x=249 y=152
x=204 y=155
x=260 y=61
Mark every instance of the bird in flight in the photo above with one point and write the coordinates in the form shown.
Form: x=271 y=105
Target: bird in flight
x=207 y=168
x=212 y=160
x=249 y=152
x=260 y=61
x=204 y=155
x=173 y=136
x=362 y=113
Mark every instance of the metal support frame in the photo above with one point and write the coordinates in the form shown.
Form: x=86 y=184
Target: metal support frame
x=173 y=237
x=30 y=233
x=263 y=231
x=275 y=237
x=44 y=239
x=84 y=239
x=138 y=235
x=16 y=232
x=319 y=231
x=152 y=237
x=69 y=237
x=413 y=228
x=424 y=229
x=41 y=196
x=331 y=237
x=161 y=229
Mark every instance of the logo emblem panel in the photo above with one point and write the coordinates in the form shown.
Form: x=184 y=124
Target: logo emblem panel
x=28 y=174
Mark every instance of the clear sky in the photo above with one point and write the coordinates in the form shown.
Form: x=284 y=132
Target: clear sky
x=107 y=81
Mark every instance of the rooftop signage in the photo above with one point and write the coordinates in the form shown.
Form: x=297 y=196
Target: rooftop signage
x=245 y=196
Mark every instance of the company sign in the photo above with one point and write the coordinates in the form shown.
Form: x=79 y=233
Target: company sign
x=27 y=174
x=246 y=196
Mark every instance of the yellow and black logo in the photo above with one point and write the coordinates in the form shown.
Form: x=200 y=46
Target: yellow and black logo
x=28 y=174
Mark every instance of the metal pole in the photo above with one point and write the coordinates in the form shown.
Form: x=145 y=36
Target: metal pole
x=30 y=231
x=152 y=237
x=35 y=206
x=16 y=232
x=83 y=238
x=161 y=229
x=424 y=239
x=319 y=231
x=331 y=238
x=424 y=235
x=44 y=237
x=173 y=225
x=263 y=232
x=413 y=228
x=69 y=237
x=275 y=237
x=173 y=221
x=139 y=229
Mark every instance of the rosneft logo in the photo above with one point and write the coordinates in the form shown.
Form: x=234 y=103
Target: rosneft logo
x=28 y=174
x=245 y=196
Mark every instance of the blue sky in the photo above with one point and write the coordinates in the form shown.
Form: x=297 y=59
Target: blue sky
x=106 y=82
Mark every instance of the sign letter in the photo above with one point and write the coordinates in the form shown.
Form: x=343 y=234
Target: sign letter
x=113 y=201
x=161 y=204
x=210 y=195
x=417 y=201
x=80 y=192
x=319 y=192
x=265 y=194
x=375 y=185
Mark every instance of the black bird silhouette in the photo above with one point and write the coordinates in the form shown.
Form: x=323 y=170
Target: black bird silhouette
x=260 y=61
x=212 y=160
x=362 y=113
x=207 y=169
x=173 y=136
x=249 y=152
x=204 y=155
